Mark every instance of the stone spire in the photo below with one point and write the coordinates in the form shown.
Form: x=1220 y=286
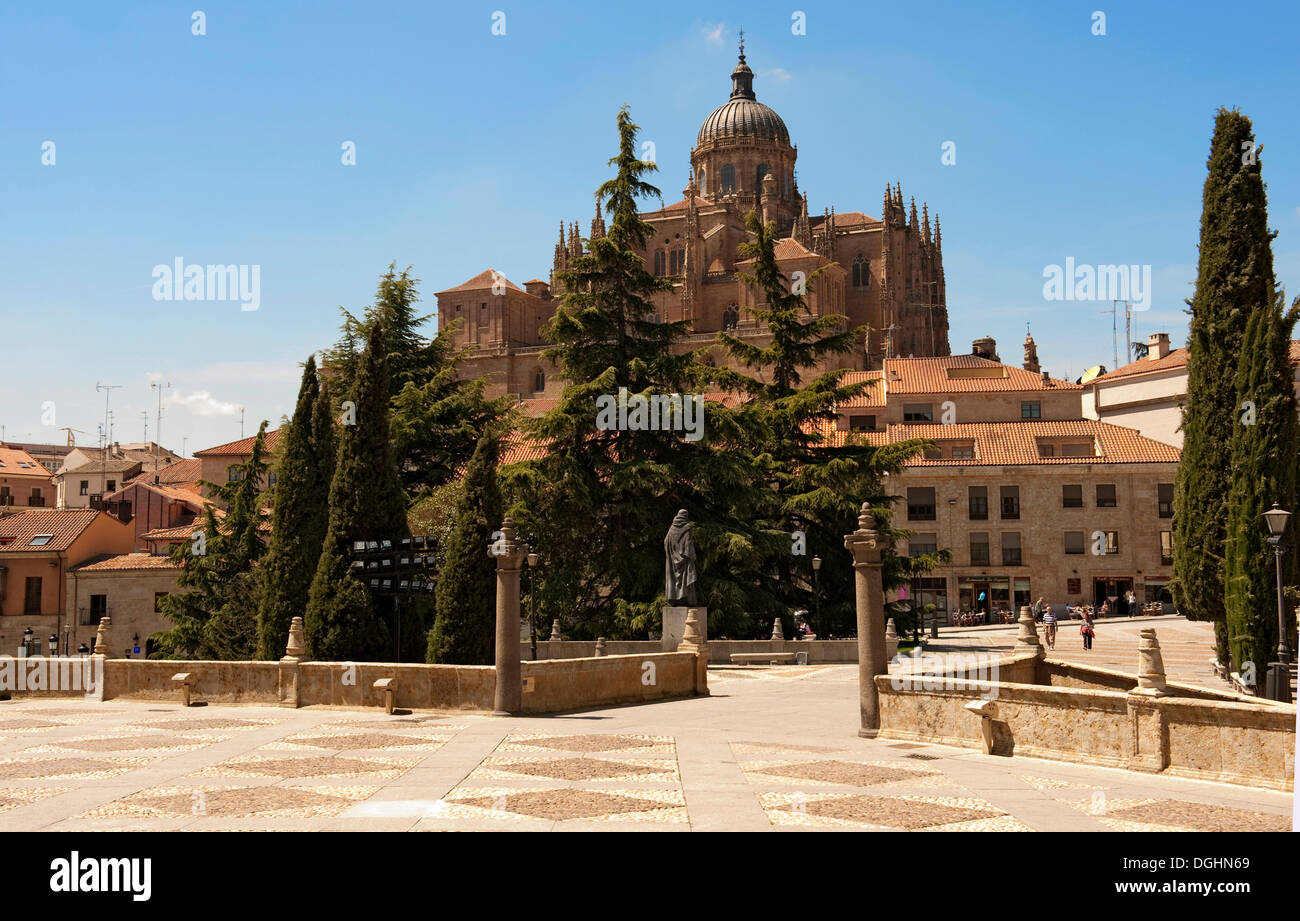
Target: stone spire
x=575 y=241
x=913 y=222
x=561 y=261
x=887 y=206
x=597 y=223
x=925 y=222
x=938 y=235
x=802 y=225
x=1031 y=352
x=691 y=268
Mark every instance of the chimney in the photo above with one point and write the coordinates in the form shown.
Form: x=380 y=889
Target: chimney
x=985 y=347
x=1157 y=346
x=1047 y=380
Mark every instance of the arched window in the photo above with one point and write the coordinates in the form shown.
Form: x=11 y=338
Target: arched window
x=704 y=182
x=758 y=177
x=728 y=179
x=539 y=382
x=861 y=272
x=659 y=263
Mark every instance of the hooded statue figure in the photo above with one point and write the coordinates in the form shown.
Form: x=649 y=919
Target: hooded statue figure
x=679 y=562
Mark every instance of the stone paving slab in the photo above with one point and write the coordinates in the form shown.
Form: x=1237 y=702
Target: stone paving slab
x=771 y=749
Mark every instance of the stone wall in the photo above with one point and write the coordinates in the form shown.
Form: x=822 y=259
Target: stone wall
x=562 y=684
x=1229 y=740
x=572 y=684
x=820 y=652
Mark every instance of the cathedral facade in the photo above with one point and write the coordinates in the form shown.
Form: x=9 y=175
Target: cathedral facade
x=883 y=273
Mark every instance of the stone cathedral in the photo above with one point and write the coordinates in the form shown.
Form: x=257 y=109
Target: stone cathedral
x=883 y=273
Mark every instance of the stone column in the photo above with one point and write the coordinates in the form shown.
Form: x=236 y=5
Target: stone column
x=1027 y=636
x=294 y=651
x=103 y=635
x=867 y=546
x=509 y=553
x=1151 y=665
x=693 y=641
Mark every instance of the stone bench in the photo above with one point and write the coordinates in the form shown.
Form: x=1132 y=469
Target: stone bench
x=771 y=658
x=389 y=689
x=185 y=682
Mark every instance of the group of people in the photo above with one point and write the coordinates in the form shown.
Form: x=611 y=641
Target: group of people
x=961 y=618
x=1044 y=613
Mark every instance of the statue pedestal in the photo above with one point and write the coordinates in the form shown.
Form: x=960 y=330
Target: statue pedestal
x=675 y=625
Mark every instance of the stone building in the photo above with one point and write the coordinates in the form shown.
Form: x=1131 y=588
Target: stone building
x=884 y=273
x=1148 y=394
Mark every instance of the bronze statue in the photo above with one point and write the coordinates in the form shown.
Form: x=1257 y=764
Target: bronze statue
x=679 y=562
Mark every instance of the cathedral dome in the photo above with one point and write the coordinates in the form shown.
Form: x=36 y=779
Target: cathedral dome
x=743 y=116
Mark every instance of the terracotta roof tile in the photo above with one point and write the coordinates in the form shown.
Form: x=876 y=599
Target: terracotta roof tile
x=963 y=374
x=126 y=562
x=680 y=206
x=1176 y=359
x=179 y=532
x=483 y=281
x=872 y=397
x=1014 y=443
x=64 y=525
x=242 y=447
x=12 y=458
x=844 y=219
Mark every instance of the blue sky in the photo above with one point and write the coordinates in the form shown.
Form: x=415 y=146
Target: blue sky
x=471 y=147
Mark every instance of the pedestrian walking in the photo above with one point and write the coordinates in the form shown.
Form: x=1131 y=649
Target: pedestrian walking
x=1087 y=632
x=1049 y=627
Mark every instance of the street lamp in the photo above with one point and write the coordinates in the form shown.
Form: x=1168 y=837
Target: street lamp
x=1278 y=685
x=54 y=644
x=817 y=590
x=533 y=560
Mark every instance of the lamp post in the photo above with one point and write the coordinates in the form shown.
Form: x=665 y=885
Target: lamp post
x=817 y=590
x=1278 y=684
x=54 y=644
x=533 y=560
x=27 y=642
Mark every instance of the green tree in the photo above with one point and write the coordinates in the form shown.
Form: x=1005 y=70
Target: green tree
x=300 y=515
x=464 y=628
x=1234 y=277
x=815 y=479
x=216 y=616
x=1263 y=472
x=435 y=415
x=608 y=490
x=366 y=503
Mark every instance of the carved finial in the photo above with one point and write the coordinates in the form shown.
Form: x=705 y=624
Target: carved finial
x=865 y=518
x=742 y=46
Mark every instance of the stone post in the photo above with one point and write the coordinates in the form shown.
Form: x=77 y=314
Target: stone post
x=1151 y=665
x=778 y=632
x=600 y=646
x=102 y=635
x=1027 y=636
x=891 y=640
x=294 y=650
x=867 y=546
x=693 y=641
x=555 y=629
x=509 y=553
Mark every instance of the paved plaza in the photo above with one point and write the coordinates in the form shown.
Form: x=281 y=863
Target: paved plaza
x=771 y=749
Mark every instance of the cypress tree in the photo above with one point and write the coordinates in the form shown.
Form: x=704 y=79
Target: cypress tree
x=1263 y=472
x=366 y=503
x=465 y=626
x=216 y=617
x=300 y=516
x=1234 y=277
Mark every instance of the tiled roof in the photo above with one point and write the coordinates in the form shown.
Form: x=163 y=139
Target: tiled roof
x=113 y=465
x=183 y=471
x=1175 y=360
x=872 y=396
x=180 y=532
x=11 y=458
x=680 y=206
x=999 y=443
x=962 y=374
x=126 y=562
x=483 y=281
x=537 y=281
x=844 y=219
x=243 y=447
x=64 y=525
